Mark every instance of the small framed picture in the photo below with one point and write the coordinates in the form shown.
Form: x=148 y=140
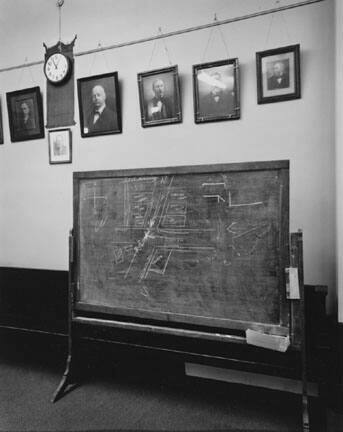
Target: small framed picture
x=1 y=128
x=99 y=105
x=159 y=97
x=278 y=74
x=216 y=91
x=60 y=147
x=25 y=114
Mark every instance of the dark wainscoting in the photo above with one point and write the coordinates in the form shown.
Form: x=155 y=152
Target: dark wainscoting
x=35 y=302
x=340 y=367
x=34 y=299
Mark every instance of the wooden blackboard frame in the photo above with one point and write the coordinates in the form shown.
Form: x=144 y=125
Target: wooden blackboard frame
x=166 y=319
x=206 y=344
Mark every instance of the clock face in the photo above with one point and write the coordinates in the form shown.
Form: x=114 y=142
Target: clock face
x=57 y=68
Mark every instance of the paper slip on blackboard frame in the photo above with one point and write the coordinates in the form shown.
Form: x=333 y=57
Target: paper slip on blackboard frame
x=202 y=247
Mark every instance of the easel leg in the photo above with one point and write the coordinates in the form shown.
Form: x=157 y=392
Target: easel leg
x=306 y=422
x=69 y=370
x=65 y=381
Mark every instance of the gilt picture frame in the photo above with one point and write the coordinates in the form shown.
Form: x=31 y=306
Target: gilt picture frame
x=159 y=97
x=216 y=91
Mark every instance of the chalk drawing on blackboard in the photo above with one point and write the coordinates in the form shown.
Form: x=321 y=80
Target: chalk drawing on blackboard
x=167 y=251
x=245 y=239
x=205 y=184
x=157 y=209
x=243 y=204
x=178 y=221
x=158 y=260
x=144 y=291
x=217 y=197
x=118 y=255
x=214 y=190
x=176 y=208
x=168 y=229
x=100 y=206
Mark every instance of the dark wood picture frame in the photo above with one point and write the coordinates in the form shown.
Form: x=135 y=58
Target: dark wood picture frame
x=278 y=74
x=154 y=87
x=60 y=146
x=216 y=91
x=99 y=91
x=1 y=126
x=25 y=114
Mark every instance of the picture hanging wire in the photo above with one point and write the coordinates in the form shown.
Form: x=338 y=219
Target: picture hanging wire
x=22 y=72
x=95 y=56
x=179 y=32
x=218 y=28
x=277 y=2
x=160 y=36
x=59 y=4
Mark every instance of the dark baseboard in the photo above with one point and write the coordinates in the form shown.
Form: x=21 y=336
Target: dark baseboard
x=340 y=368
x=340 y=350
x=34 y=299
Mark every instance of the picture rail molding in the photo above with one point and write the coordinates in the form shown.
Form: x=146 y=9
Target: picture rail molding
x=177 y=32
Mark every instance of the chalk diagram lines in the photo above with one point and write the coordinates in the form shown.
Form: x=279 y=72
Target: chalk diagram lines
x=155 y=220
x=148 y=227
x=212 y=190
x=159 y=258
x=174 y=211
x=138 y=201
x=221 y=192
x=241 y=234
x=242 y=237
x=99 y=205
x=155 y=216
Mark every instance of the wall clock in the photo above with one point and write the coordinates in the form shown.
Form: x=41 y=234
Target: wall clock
x=57 y=68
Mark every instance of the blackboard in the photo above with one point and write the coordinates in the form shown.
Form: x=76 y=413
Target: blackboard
x=195 y=246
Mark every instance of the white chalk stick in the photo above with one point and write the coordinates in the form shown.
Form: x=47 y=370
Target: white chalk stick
x=272 y=342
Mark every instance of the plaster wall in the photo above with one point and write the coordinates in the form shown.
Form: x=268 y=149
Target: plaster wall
x=36 y=198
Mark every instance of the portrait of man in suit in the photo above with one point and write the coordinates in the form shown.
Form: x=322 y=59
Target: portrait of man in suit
x=278 y=74
x=159 y=96
x=219 y=100
x=101 y=117
x=26 y=123
x=279 y=78
x=160 y=106
x=216 y=91
x=99 y=105
x=25 y=114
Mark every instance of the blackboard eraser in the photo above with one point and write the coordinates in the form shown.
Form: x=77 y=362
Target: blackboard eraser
x=264 y=340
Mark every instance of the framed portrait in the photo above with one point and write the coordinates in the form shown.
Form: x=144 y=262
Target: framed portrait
x=1 y=128
x=216 y=91
x=159 y=97
x=99 y=105
x=278 y=74
x=25 y=114
x=60 y=146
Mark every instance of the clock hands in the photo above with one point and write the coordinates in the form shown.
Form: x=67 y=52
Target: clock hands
x=55 y=61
